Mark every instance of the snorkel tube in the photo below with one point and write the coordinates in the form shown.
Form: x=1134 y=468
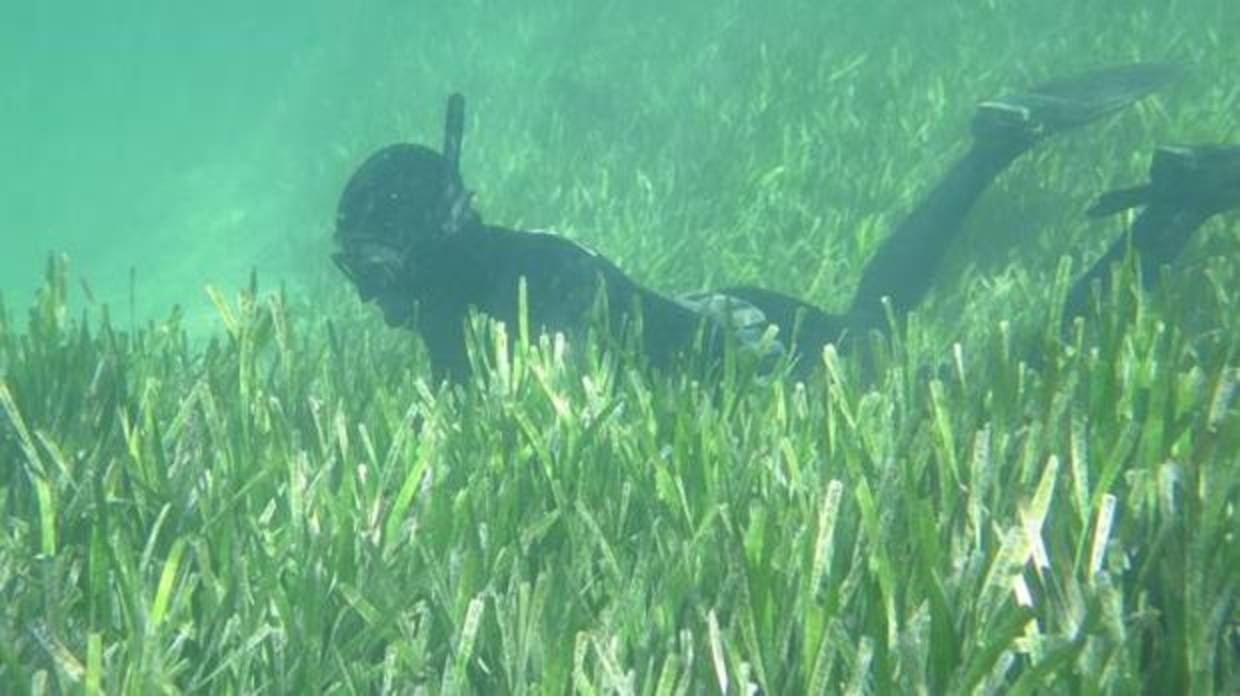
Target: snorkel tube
x=459 y=209
x=453 y=130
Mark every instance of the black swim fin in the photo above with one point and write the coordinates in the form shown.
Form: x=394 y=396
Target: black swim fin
x=1074 y=101
x=1201 y=177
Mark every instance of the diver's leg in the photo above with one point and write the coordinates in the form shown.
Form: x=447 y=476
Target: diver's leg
x=803 y=328
x=1158 y=236
x=1188 y=186
x=903 y=267
x=1003 y=129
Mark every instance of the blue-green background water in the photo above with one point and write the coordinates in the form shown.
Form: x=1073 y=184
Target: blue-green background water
x=195 y=142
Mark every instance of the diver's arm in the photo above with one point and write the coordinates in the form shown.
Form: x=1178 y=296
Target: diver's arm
x=563 y=282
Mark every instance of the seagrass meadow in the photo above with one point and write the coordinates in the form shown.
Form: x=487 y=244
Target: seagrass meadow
x=273 y=496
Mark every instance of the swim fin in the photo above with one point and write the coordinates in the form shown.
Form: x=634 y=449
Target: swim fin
x=1071 y=102
x=1206 y=177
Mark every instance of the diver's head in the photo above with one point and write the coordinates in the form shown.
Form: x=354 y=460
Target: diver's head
x=395 y=212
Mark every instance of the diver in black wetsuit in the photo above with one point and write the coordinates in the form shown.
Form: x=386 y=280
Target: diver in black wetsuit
x=409 y=238
x=411 y=243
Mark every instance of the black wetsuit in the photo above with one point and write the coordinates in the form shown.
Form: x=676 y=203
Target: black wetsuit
x=458 y=263
x=481 y=266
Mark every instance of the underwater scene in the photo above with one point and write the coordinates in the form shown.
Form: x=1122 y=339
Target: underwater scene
x=620 y=347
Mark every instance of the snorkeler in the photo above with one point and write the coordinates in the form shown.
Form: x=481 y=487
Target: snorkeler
x=411 y=242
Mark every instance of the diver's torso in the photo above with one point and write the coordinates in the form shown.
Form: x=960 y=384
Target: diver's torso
x=568 y=289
